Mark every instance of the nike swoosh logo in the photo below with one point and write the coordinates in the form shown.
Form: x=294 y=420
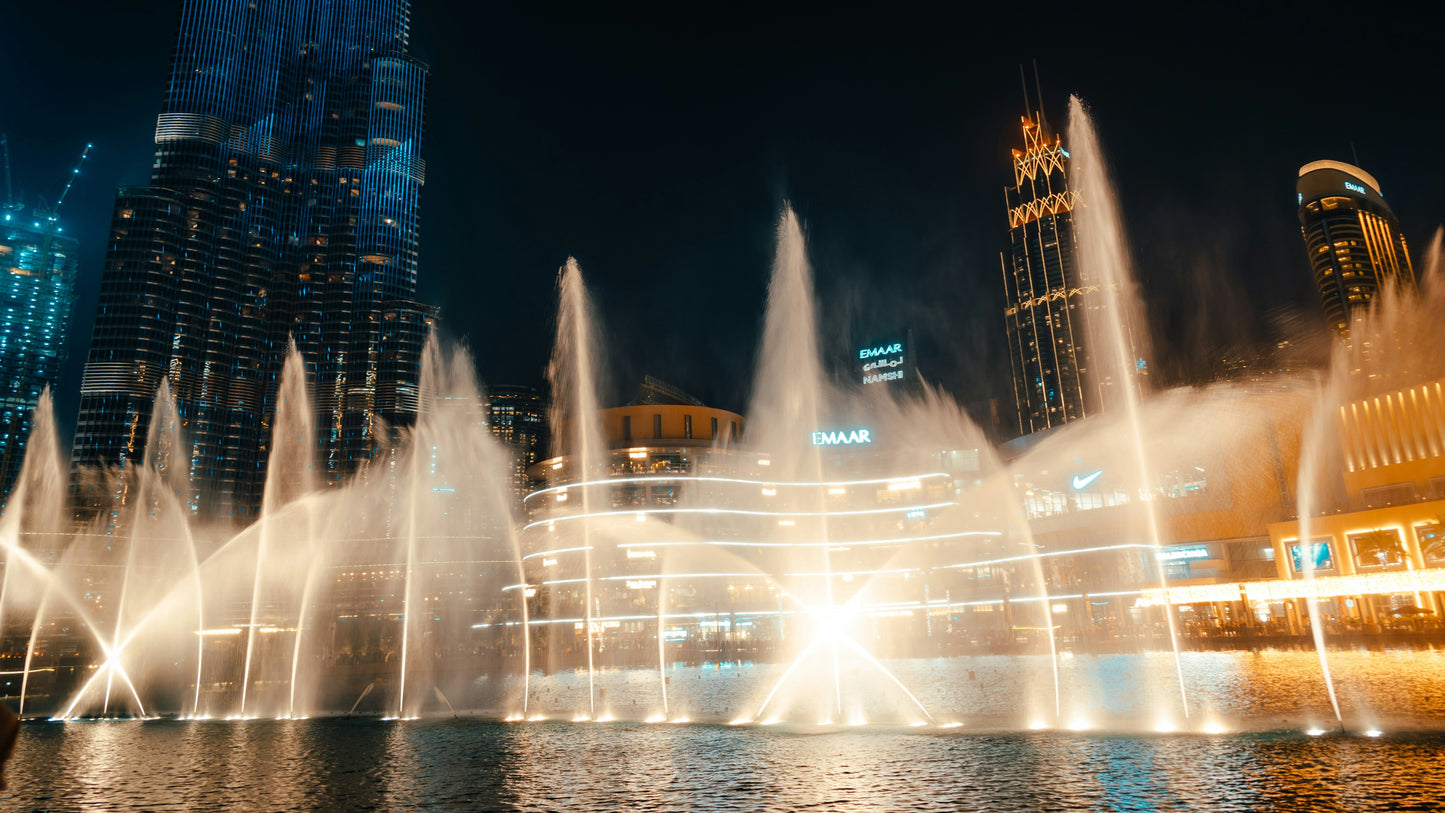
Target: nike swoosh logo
x=1083 y=482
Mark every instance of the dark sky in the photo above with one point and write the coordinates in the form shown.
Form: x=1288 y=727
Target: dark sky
x=657 y=148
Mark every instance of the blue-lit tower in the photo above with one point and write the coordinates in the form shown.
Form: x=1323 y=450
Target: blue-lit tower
x=283 y=205
x=38 y=263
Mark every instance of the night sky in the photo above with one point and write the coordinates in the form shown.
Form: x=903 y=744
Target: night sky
x=658 y=148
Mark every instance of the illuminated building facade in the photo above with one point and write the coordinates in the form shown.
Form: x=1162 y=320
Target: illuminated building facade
x=1046 y=300
x=1386 y=549
x=37 y=272
x=282 y=206
x=517 y=417
x=1353 y=239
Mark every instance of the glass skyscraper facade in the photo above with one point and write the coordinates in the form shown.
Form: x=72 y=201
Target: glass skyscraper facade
x=37 y=272
x=282 y=207
x=1353 y=239
x=1046 y=300
x=518 y=418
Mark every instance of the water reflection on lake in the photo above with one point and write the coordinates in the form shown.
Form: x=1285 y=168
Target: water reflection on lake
x=1266 y=761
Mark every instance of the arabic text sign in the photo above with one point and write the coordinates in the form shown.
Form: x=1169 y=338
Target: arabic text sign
x=883 y=361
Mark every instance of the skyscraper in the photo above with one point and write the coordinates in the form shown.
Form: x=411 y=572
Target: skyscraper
x=1353 y=239
x=518 y=418
x=1046 y=300
x=282 y=206
x=37 y=284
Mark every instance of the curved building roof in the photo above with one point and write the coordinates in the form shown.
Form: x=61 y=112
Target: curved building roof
x=1341 y=166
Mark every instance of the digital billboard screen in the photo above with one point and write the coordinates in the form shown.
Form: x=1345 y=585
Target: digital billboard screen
x=1315 y=555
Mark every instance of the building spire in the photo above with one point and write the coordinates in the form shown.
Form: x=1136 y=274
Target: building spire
x=1024 y=83
x=1039 y=96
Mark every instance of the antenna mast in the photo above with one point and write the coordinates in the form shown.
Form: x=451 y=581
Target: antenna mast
x=1039 y=88
x=10 y=204
x=1024 y=81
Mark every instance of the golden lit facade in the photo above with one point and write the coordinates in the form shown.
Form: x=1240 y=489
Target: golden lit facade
x=1353 y=239
x=682 y=528
x=1386 y=551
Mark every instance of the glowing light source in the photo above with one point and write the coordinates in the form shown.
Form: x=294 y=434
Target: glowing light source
x=1373 y=732
x=1315 y=732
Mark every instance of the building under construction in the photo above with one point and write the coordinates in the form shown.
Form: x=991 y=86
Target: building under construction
x=39 y=264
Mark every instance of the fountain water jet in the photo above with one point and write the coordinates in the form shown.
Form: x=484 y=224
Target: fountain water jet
x=289 y=475
x=572 y=374
x=1104 y=260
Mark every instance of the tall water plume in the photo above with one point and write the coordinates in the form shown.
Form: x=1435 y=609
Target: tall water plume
x=289 y=474
x=35 y=519
x=1392 y=345
x=35 y=513
x=575 y=426
x=1116 y=330
x=789 y=390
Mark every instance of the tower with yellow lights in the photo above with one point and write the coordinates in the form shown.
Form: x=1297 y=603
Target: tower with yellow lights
x=1046 y=299
x=1353 y=239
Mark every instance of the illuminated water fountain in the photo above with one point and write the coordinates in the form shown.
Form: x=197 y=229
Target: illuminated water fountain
x=856 y=555
x=372 y=583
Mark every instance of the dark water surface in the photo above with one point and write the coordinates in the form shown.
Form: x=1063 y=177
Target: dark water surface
x=1266 y=762
x=473 y=764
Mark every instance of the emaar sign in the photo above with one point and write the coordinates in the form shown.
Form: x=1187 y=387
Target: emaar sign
x=851 y=437
x=884 y=361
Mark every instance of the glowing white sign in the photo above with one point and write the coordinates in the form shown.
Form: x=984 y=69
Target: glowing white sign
x=1354 y=187
x=884 y=350
x=855 y=437
x=1186 y=554
x=883 y=362
x=894 y=375
x=1081 y=483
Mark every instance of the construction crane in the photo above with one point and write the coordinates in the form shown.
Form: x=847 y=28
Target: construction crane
x=52 y=212
x=49 y=212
